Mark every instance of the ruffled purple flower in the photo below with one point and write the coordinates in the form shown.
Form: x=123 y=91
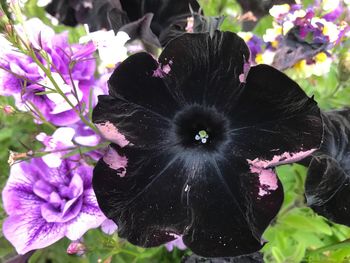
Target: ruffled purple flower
x=72 y=68
x=46 y=204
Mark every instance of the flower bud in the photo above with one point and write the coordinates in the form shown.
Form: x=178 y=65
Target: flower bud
x=344 y=67
x=76 y=248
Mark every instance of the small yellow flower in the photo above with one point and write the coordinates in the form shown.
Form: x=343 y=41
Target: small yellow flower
x=321 y=57
x=300 y=65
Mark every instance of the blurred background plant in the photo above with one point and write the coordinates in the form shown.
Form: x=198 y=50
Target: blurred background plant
x=320 y=64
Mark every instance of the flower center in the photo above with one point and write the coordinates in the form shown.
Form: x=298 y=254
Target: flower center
x=202 y=136
x=199 y=127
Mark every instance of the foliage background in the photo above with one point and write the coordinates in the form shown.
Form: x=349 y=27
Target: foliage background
x=296 y=235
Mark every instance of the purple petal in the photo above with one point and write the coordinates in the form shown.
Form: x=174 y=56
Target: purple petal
x=30 y=231
x=109 y=227
x=18 y=195
x=89 y=217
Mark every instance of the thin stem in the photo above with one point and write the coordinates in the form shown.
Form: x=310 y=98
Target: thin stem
x=59 y=91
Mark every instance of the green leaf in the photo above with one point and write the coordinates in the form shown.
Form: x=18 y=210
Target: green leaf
x=307 y=224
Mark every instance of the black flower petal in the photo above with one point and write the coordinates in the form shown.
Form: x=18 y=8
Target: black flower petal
x=274 y=113
x=147 y=202
x=204 y=69
x=114 y=116
x=203 y=137
x=327 y=186
x=139 y=80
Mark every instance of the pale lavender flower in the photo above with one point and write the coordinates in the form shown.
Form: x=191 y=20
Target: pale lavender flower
x=46 y=204
x=56 y=145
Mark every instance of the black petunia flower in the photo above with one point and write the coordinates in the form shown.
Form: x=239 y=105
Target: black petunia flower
x=153 y=21
x=327 y=184
x=195 y=139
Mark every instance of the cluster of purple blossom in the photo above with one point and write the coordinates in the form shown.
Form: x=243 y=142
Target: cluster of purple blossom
x=51 y=197
x=308 y=35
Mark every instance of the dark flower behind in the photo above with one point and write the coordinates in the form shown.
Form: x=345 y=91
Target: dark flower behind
x=328 y=181
x=258 y=9
x=153 y=21
x=195 y=139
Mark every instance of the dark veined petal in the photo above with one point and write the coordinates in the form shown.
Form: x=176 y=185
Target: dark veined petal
x=327 y=185
x=139 y=80
x=231 y=208
x=328 y=189
x=205 y=70
x=122 y=122
x=274 y=120
x=219 y=207
x=145 y=200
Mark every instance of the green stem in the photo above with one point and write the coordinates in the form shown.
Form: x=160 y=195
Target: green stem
x=59 y=91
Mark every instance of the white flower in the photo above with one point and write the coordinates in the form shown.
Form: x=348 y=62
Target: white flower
x=271 y=34
x=111 y=48
x=329 y=29
x=329 y=5
x=265 y=58
x=278 y=10
x=246 y=36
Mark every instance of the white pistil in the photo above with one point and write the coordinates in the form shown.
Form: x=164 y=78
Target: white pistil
x=202 y=136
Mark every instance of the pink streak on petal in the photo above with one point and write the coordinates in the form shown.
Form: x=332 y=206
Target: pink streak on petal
x=267 y=179
x=162 y=70
x=166 y=69
x=115 y=161
x=284 y=158
x=243 y=76
x=111 y=133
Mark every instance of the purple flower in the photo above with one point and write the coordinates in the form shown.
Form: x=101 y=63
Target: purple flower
x=72 y=68
x=46 y=204
x=58 y=144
